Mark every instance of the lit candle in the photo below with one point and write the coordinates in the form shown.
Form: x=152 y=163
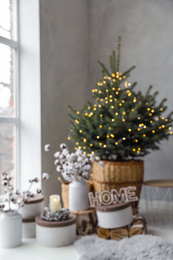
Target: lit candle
x=54 y=203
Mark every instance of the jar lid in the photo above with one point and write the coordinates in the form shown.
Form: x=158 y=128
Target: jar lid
x=113 y=207
x=37 y=198
x=28 y=220
x=43 y=223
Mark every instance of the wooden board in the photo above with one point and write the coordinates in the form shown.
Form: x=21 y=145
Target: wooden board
x=159 y=183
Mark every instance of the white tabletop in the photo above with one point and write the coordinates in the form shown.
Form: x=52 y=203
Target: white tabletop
x=29 y=250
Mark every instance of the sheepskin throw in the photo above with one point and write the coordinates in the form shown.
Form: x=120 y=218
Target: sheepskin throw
x=140 y=247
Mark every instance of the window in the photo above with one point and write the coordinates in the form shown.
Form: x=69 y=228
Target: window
x=20 y=111
x=9 y=114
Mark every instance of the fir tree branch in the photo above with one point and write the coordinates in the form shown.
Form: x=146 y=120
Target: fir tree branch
x=104 y=68
x=118 y=54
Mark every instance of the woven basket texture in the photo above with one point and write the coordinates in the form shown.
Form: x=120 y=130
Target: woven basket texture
x=117 y=175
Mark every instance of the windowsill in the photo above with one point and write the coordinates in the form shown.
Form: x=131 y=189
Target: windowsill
x=30 y=250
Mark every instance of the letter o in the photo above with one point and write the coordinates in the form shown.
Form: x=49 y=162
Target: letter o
x=106 y=197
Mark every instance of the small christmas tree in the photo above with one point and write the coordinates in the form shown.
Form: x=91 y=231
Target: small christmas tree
x=121 y=124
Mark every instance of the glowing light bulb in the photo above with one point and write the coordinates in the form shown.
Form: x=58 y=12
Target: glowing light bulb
x=98 y=137
x=100 y=126
x=68 y=138
x=91 y=145
x=153 y=131
x=80 y=131
x=129 y=130
x=144 y=135
x=113 y=119
x=84 y=140
x=116 y=143
x=101 y=115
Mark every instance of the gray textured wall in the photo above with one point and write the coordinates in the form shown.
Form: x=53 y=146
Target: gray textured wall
x=64 y=54
x=75 y=34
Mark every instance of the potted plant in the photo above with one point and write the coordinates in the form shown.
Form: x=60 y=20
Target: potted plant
x=120 y=126
x=10 y=219
x=75 y=168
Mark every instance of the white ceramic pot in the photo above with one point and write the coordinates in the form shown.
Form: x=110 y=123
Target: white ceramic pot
x=114 y=216
x=56 y=234
x=78 y=196
x=28 y=228
x=33 y=207
x=10 y=229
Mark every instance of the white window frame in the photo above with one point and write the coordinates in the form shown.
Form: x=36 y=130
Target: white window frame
x=28 y=93
x=14 y=120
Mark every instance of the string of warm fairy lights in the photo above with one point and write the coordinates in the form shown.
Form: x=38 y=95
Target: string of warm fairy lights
x=109 y=98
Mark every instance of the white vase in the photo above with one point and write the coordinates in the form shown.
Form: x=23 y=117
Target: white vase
x=78 y=196
x=10 y=229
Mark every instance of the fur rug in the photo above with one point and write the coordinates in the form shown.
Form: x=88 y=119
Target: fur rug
x=140 y=247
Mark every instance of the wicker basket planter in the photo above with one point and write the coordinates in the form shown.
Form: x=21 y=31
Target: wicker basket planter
x=117 y=175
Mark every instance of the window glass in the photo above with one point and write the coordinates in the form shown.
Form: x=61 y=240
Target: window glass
x=7 y=149
x=6 y=81
x=7 y=19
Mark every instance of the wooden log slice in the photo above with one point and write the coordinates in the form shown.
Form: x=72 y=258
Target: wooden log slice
x=103 y=232
x=119 y=233
x=138 y=226
x=86 y=221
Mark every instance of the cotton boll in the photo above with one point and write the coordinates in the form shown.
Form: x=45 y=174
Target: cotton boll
x=45 y=176
x=72 y=157
x=87 y=168
x=57 y=154
x=47 y=148
x=101 y=163
x=56 y=162
x=61 y=156
x=79 y=152
x=65 y=152
x=63 y=146
x=59 y=168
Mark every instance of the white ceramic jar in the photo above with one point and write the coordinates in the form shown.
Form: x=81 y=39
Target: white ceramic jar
x=28 y=228
x=56 y=234
x=33 y=207
x=10 y=229
x=78 y=196
x=114 y=216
